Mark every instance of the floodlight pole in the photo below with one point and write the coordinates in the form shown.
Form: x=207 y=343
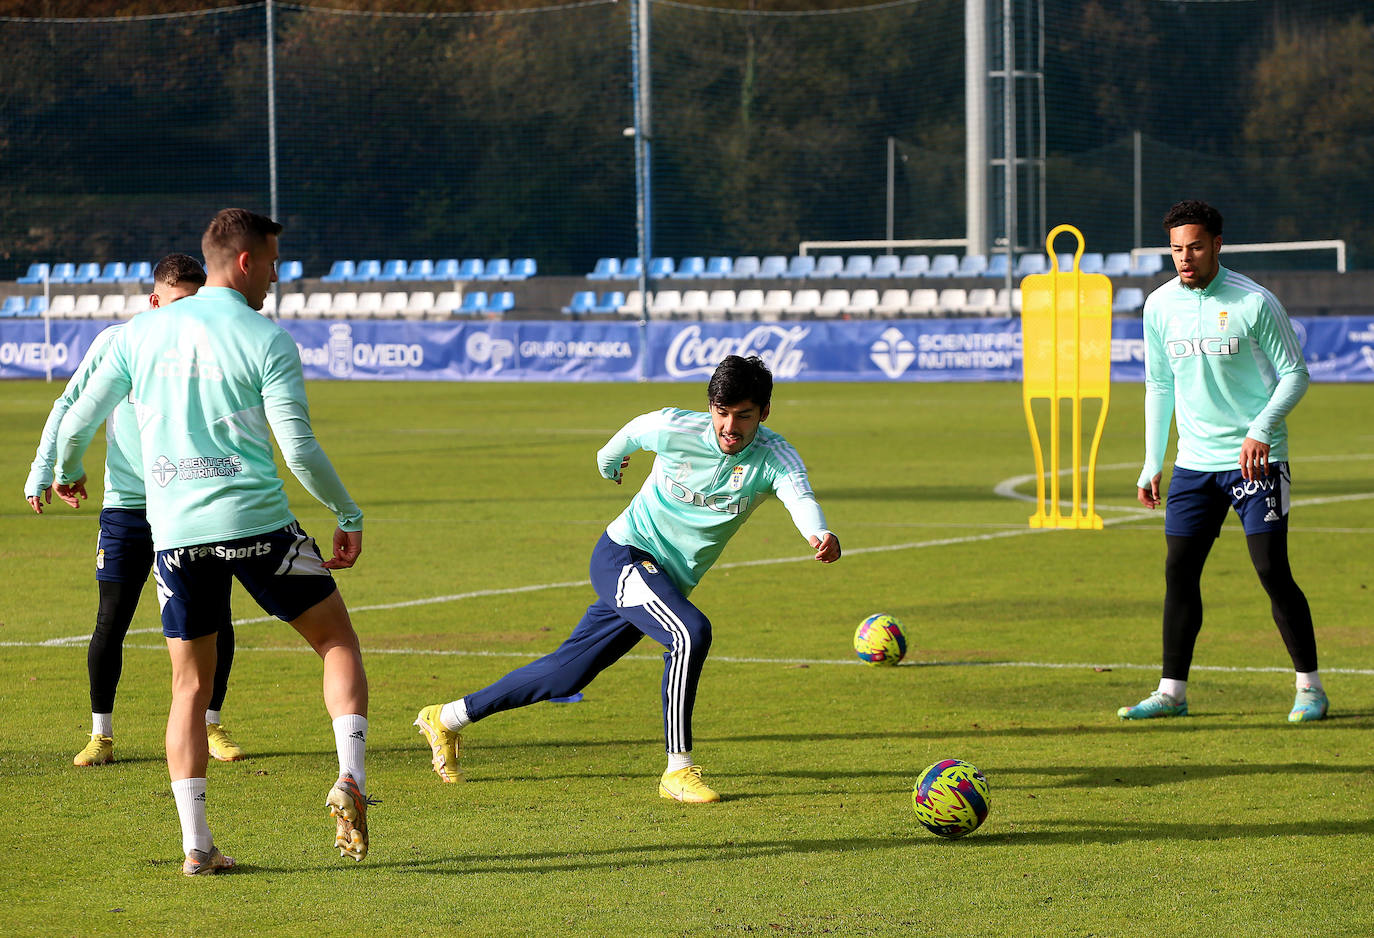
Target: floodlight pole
x=272 y=129
x=643 y=136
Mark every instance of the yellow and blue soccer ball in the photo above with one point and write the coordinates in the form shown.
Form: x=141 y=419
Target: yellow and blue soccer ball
x=879 y=640
x=951 y=799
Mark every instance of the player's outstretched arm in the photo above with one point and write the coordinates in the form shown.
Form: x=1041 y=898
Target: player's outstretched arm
x=827 y=547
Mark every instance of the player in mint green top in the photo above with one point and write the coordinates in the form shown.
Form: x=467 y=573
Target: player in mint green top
x=211 y=382
x=710 y=471
x=124 y=551
x=1222 y=358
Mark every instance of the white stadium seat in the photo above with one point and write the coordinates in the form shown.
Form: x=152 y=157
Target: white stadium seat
x=833 y=304
x=923 y=302
x=892 y=303
x=804 y=302
x=775 y=303
x=693 y=304
x=862 y=303
x=952 y=302
x=319 y=305
x=718 y=305
x=747 y=304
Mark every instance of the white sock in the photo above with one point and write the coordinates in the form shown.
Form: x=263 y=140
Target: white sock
x=195 y=830
x=677 y=761
x=454 y=715
x=1310 y=679
x=102 y=723
x=1175 y=689
x=350 y=740
x=212 y=716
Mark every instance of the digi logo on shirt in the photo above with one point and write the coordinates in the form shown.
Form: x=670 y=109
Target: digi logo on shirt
x=1210 y=345
x=723 y=502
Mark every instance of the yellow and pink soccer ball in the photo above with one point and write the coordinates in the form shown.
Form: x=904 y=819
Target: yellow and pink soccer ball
x=950 y=799
x=879 y=640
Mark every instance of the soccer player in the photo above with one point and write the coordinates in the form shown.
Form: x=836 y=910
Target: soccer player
x=1221 y=356
x=124 y=551
x=208 y=378
x=710 y=472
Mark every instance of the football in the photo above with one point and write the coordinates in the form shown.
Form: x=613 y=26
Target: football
x=879 y=640
x=951 y=799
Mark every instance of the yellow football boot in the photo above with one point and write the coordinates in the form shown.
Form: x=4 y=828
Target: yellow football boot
x=685 y=785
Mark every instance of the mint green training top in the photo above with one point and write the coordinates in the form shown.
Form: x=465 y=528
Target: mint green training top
x=696 y=497
x=1225 y=360
x=123 y=483
x=207 y=377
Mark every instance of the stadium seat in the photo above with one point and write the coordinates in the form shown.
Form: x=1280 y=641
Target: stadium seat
x=1028 y=264
x=85 y=273
x=943 y=265
x=469 y=268
x=87 y=306
x=689 y=268
x=420 y=269
x=446 y=303
x=914 y=265
x=522 y=268
x=1065 y=262
x=857 y=266
x=582 y=302
x=339 y=271
x=1128 y=300
x=500 y=303
x=445 y=269
x=923 y=302
x=356 y=305
x=138 y=303
x=111 y=272
x=367 y=271
x=609 y=303
x=62 y=306
x=37 y=273
x=1092 y=262
x=13 y=306
x=772 y=267
x=418 y=304
x=804 y=303
x=287 y=271
x=394 y=305
x=607 y=268
x=318 y=305
x=62 y=273
x=861 y=303
x=660 y=268
x=775 y=303
x=952 y=302
x=693 y=304
x=633 y=306
x=800 y=267
x=498 y=268
x=291 y=306
x=747 y=304
x=393 y=270
x=981 y=301
x=745 y=267
x=972 y=265
x=718 y=305
x=1147 y=265
x=474 y=304
x=997 y=266
x=665 y=304
x=892 y=303
x=269 y=305
x=717 y=268
x=1117 y=264
x=630 y=268
x=35 y=306
x=828 y=267
x=885 y=265
x=832 y=305
x=112 y=306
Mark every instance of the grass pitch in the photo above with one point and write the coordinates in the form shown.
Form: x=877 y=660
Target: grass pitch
x=482 y=505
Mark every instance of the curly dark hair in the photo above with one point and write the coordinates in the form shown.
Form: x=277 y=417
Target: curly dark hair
x=179 y=268
x=1193 y=212
x=739 y=379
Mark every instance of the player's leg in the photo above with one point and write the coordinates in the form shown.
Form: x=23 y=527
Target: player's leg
x=1194 y=510
x=124 y=555
x=222 y=745
x=1263 y=510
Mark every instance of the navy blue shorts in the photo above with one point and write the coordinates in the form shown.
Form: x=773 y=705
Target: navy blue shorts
x=1198 y=501
x=282 y=570
x=124 y=548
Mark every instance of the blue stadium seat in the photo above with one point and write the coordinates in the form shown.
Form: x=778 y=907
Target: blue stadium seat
x=717 y=268
x=885 y=265
x=997 y=266
x=609 y=304
x=915 y=265
x=111 y=272
x=583 y=301
x=660 y=267
x=392 y=270
x=470 y=268
x=1128 y=300
x=138 y=273
x=1091 y=262
x=690 y=268
x=62 y=273
x=85 y=273
x=445 y=269
x=474 y=304
x=745 y=266
x=501 y=303
x=943 y=265
x=497 y=268
x=367 y=271
x=607 y=268
x=1147 y=265
x=858 y=265
x=36 y=306
x=630 y=268
x=13 y=306
x=289 y=271
x=972 y=265
x=522 y=268
x=36 y=274
x=828 y=267
x=421 y=269
x=800 y=266
x=772 y=267
x=1028 y=264
x=1117 y=264
x=339 y=271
